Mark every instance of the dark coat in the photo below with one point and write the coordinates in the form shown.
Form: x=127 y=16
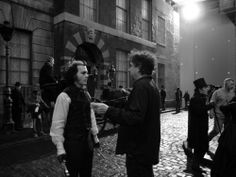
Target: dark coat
x=17 y=100
x=198 y=128
x=225 y=157
x=139 y=131
x=46 y=75
x=163 y=94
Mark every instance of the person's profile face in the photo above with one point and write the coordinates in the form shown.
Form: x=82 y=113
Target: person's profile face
x=82 y=75
x=204 y=90
x=133 y=70
x=230 y=85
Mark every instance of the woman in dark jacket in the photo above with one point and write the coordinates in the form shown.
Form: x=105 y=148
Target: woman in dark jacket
x=224 y=163
x=198 y=129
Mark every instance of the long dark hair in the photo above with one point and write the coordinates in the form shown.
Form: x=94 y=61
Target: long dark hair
x=72 y=71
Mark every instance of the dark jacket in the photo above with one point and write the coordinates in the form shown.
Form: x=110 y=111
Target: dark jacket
x=46 y=75
x=198 y=115
x=139 y=131
x=225 y=157
x=163 y=94
x=18 y=100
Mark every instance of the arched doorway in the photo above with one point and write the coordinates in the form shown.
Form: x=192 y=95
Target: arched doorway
x=91 y=53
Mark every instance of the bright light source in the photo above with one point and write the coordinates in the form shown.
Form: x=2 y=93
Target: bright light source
x=191 y=11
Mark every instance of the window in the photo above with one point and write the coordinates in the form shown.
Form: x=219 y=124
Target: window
x=121 y=15
x=88 y=9
x=161 y=74
x=146 y=19
x=161 y=34
x=122 y=64
x=19 y=62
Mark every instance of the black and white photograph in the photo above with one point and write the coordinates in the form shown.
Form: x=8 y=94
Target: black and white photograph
x=117 y=88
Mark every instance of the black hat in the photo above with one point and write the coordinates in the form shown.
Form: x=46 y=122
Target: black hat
x=200 y=83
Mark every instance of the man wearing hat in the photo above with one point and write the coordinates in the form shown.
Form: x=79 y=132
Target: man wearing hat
x=198 y=122
x=17 y=105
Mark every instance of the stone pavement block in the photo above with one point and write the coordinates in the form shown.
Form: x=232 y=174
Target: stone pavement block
x=173 y=162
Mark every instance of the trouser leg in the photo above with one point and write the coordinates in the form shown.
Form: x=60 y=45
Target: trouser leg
x=80 y=158
x=136 y=168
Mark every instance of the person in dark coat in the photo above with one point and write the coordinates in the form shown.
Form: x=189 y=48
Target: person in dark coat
x=225 y=157
x=178 y=99
x=17 y=105
x=186 y=99
x=139 y=131
x=49 y=87
x=198 y=128
x=46 y=73
x=163 y=97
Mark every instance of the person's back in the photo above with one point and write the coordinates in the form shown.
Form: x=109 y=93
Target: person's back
x=225 y=155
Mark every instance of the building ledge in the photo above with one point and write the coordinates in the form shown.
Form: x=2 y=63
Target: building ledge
x=65 y=16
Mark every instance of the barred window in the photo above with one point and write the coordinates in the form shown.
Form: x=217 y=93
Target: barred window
x=122 y=65
x=19 y=62
x=146 y=19
x=88 y=9
x=121 y=15
x=161 y=34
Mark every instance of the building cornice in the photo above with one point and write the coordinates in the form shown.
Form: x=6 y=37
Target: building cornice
x=65 y=16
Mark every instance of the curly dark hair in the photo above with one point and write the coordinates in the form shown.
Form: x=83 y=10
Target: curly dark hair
x=72 y=71
x=144 y=60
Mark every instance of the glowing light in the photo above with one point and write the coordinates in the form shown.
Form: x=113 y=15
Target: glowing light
x=191 y=11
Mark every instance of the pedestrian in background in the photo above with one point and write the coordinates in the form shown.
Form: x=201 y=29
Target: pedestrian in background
x=178 y=100
x=198 y=133
x=35 y=107
x=139 y=131
x=17 y=105
x=221 y=97
x=163 y=97
x=74 y=123
x=48 y=86
x=186 y=99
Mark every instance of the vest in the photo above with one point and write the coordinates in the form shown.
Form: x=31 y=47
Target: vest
x=78 y=119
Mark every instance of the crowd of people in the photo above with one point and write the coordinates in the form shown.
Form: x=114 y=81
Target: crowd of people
x=71 y=113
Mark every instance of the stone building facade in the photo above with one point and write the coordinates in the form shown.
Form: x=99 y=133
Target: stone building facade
x=104 y=31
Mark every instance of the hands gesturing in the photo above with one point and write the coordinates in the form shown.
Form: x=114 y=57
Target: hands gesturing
x=99 y=108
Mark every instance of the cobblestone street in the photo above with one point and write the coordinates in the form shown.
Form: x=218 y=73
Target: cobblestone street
x=172 y=158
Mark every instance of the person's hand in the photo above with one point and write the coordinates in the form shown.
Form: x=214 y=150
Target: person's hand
x=61 y=158
x=99 y=108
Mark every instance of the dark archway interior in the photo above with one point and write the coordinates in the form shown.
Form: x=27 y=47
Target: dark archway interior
x=90 y=53
x=93 y=56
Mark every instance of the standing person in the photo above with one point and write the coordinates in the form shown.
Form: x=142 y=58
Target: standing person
x=186 y=99
x=35 y=106
x=46 y=73
x=178 y=99
x=198 y=128
x=139 y=131
x=48 y=88
x=73 y=122
x=225 y=156
x=17 y=105
x=221 y=97
x=163 y=97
